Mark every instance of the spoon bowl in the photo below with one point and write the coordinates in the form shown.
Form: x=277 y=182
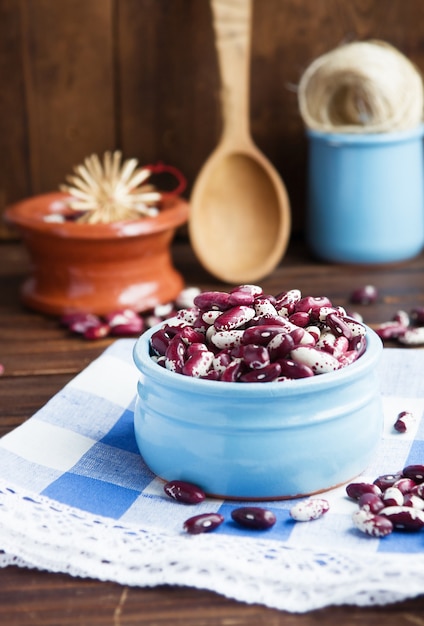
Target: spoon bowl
x=239 y=222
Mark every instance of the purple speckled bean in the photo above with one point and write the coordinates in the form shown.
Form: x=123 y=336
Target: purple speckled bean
x=319 y=362
x=232 y=372
x=356 y=490
x=385 y=481
x=326 y=341
x=415 y=472
x=266 y=296
x=265 y=374
x=175 y=354
x=97 y=332
x=286 y=301
x=241 y=298
x=209 y=300
x=367 y=294
x=280 y=346
x=339 y=326
x=212 y=374
x=390 y=330
x=308 y=510
x=359 y=344
x=418 y=490
x=234 y=318
x=372 y=524
x=203 y=523
x=209 y=317
x=412 y=336
x=405 y=484
x=189 y=335
x=371 y=502
x=188 y=315
x=124 y=316
x=131 y=327
x=332 y=344
x=411 y=499
x=185 y=298
x=174 y=327
x=221 y=361
x=272 y=320
x=210 y=332
x=160 y=360
x=300 y=318
x=194 y=348
x=404 y=517
x=198 y=365
x=291 y=369
x=302 y=337
x=159 y=342
x=254 y=517
x=227 y=338
x=402 y=318
x=264 y=306
x=417 y=315
x=80 y=322
x=404 y=421
x=315 y=331
x=348 y=358
x=184 y=492
x=260 y=335
x=321 y=314
x=392 y=497
x=357 y=328
x=341 y=311
x=255 y=356
x=312 y=304
x=253 y=290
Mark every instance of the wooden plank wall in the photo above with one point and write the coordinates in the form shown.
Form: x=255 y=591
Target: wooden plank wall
x=84 y=76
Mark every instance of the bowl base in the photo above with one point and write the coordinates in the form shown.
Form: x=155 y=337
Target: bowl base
x=217 y=496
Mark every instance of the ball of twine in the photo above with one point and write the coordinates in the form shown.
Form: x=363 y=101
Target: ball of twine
x=361 y=87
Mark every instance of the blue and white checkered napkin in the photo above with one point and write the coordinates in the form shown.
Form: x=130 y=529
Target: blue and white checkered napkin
x=75 y=465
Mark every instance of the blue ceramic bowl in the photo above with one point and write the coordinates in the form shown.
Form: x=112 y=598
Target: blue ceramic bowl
x=259 y=440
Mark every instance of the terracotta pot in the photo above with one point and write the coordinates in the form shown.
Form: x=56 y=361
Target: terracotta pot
x=97 y=268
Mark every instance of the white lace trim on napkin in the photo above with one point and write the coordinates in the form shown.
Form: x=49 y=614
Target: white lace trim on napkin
x=45 y=534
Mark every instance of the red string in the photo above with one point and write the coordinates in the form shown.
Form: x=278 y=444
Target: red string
x=160 y=168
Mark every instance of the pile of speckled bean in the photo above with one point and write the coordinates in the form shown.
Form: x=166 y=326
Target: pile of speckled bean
x=245 y=335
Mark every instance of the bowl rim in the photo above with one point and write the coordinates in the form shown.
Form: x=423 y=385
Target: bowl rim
x=27 y=214
x=146 y=365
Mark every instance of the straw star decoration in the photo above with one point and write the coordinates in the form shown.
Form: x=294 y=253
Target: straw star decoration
x=111 y=190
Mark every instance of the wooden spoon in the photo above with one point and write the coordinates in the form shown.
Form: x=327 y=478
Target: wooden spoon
x=239 y=221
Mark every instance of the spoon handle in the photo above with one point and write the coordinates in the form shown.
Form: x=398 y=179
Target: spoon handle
x=232 y=24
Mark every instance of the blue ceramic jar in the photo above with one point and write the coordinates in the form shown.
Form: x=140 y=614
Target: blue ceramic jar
x=366 y=196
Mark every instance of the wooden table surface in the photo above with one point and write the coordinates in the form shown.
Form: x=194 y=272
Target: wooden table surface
x=40 y=357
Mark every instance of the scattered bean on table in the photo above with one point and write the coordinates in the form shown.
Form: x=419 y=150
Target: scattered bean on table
x=404 y=421
x=203 y=523
x=184 y=492
x=254 y=517
x=367 y=294
x=392 y=502
x=308 y=510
